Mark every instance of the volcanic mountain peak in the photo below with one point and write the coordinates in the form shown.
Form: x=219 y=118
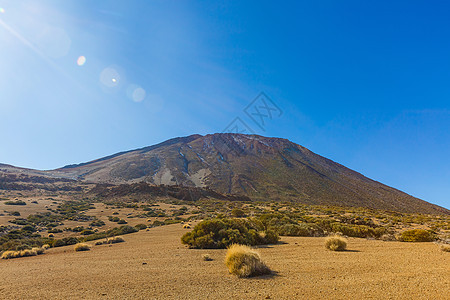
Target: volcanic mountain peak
x=252 y=165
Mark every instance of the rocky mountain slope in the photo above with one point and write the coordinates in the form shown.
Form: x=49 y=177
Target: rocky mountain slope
x=252 y=165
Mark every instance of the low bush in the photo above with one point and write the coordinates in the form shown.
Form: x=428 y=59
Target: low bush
x=416 y=235
x=115 y=240
x=335 y=243
x=221 y=233
x=64 y=242
x=22 y=253
x=17 y=202
x=82 y=247
x=206 y=257
x=140 y=226
x=237 y=213
x=97 y=223
x=445 y=248
x=87 y=232
x=244 y=261
x=303 y=229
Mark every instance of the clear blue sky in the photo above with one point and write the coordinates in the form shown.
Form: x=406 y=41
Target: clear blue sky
x=366 y=84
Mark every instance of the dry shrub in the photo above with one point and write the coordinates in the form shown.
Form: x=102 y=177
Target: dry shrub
x=388 y=238
x=115 y=240
x=336 y=243
x=82 y=247
x=22 y=253
x=244 y=261
x=206 y=257
x=445 y=248
x=186 y=226
x=10 y=254
x=38 y=250
x=46 y=246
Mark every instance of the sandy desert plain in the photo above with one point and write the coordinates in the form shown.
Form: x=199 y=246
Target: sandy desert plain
x=154 y=264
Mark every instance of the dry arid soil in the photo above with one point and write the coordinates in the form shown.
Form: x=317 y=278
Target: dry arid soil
x=154 y=265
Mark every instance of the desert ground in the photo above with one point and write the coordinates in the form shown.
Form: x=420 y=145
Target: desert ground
x=154 y=264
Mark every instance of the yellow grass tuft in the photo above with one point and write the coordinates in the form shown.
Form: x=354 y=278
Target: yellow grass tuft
x=336 y=243
x=22 y=253
x=115 y=240
x=46 y=246
x=244 y=261
x=186 y=226
x=82 y=247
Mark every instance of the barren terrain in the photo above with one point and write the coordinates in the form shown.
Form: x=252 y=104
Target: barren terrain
x=154 y=265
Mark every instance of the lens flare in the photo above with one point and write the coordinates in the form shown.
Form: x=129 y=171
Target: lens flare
x=81 y=60
x=2 y=10
x=136 y=93
x=110 y=77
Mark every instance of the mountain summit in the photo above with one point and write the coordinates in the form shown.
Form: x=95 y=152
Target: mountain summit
x=256 y=166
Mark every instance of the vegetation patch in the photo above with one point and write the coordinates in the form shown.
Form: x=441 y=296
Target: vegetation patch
x=221 y=233
x=22 y=253
x=17 y=202
x=416 y=235
x=244 y=261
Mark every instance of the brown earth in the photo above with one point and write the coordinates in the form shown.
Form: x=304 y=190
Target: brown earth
x=154 y=265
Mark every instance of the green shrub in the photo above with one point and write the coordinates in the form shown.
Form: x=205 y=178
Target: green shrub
x=141 y=226
x=221 y=233
x=303 y=229
x=97 y=223
x=237 y=213
x=17 y=202
x=87 y=232
x=416 y=235
x=64 y=242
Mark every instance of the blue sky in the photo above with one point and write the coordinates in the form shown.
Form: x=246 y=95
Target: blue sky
x=365 y=84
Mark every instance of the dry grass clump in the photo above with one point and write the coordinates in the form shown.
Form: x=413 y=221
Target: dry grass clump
x=186 y=226
x=115 y=240
x=82 y=247
x=336 y=243
x=22 y=253
x=244 y=261
x=46 y=246
x=206 y=257
x=445 y=247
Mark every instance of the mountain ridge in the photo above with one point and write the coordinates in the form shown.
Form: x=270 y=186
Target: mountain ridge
x=251 y=165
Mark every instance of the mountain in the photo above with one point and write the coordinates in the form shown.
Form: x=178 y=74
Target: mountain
x=251 y=165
